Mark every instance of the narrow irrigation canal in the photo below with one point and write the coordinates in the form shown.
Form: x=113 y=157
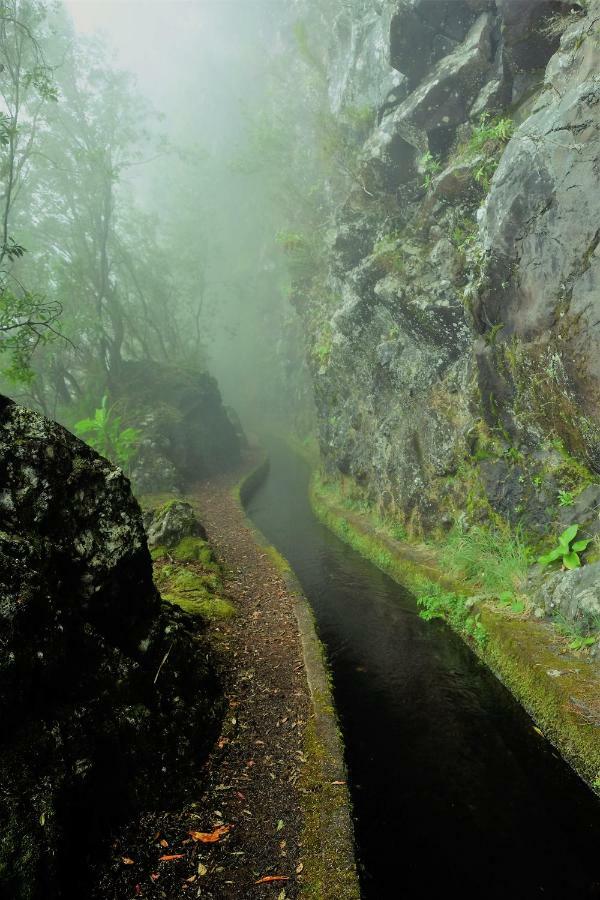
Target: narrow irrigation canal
x=454 y=792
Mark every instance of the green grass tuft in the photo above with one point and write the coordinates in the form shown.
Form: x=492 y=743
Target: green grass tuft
x=489 y=560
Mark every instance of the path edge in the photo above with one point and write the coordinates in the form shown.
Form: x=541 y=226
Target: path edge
x=330 y=867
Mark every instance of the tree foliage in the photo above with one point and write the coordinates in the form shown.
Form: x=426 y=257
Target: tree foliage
x=79 y=259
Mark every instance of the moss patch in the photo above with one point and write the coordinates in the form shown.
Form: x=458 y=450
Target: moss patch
x=158 y=553
x=566 y=706
x=322 y=802
x=207 y=606
x=194 y=549
x=280 y=562
x=187 y=582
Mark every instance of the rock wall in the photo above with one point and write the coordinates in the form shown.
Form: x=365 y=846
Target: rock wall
x=107 y=698
x=455 y=360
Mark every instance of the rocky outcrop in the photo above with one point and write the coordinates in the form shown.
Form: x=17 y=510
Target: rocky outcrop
x=541 y=276
x=106 y=697
x=456 y=370
x=171 y=522
x=574 y=595
x=186 y=431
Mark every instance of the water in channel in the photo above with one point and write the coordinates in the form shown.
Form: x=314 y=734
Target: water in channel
x=455 y=794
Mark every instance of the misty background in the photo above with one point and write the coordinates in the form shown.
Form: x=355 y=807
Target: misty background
x=199 y=193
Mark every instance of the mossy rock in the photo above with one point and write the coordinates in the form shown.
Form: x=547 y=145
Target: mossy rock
x=194 y=549
x=206 y=605
x=171 y=523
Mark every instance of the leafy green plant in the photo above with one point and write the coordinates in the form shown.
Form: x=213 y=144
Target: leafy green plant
x=487 y=141
x=490 y=336
x=513 y=454
x=581 y=642
x=360 y=118
x=464 y=233
x=567 y=549
x=431 y=167
x=323 y=347
x=490 y=131
x=308 y=50
x=566 y=498
x=439 y=603
x=106 y=435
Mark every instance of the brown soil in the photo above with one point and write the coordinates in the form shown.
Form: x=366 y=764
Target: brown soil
x=251 y=781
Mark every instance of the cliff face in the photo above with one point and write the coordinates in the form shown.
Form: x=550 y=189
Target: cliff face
x=455 y=359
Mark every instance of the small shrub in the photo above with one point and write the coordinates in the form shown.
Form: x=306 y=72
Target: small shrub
x=464 y=234
x=430 y=166
x=488 y=139
x=439 y=603
x=106 y=434
x=581 y=634
x=566 y=498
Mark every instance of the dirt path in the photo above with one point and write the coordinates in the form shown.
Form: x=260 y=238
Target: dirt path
x=250 y=785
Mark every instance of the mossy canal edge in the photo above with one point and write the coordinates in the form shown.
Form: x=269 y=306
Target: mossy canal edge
x=330 y=871
x=559 y=692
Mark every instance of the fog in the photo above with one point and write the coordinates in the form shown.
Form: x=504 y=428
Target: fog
x=175 y=219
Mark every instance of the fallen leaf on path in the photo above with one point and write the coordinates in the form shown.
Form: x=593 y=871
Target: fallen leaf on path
x=202 y=870
x=164 y=843
x=268 y=879
x=210 y=837
x=126 y=861
x=338 y=782
x=171 y=857
x=154 y=876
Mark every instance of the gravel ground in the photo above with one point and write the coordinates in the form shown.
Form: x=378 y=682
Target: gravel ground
x=248 y=799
